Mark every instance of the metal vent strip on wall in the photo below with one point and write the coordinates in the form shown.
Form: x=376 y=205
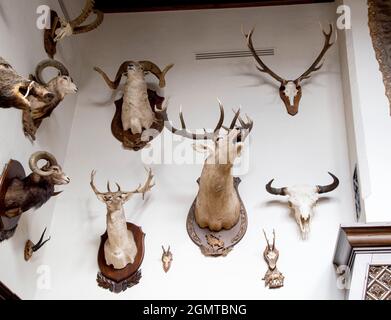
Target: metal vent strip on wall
x=232 y=54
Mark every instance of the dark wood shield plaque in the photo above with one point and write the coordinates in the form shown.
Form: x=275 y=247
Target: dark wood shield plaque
x=8 y=224
x=138 y=141
x=118 y=280
x=217 y=244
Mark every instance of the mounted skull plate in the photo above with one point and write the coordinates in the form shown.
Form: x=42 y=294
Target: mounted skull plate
x=291 y=90
x=302 y=200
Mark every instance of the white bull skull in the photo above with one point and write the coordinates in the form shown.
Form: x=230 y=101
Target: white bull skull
x=302 y=200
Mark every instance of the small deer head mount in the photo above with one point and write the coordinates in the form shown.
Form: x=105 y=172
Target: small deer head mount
x=291 y=90
x=302 y=200
x=273 y=278
x=167 y=259
x=30 y=247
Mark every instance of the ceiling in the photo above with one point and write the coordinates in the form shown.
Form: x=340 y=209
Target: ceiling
x=115 y=6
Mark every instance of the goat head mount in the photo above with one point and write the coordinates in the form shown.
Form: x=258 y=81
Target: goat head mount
x=36 y=98
x=19 y=92
x=31 y=247
x=167 y=259
x=19 y=193
x=273 y=278
x=61 y=28
x=302 y=200
x=135 y=121
x=59 y=86
x=122 y=246
x=218 y=211
x=291 y=90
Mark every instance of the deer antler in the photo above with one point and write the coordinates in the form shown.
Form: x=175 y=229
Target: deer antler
x=206 y=135
x=315 y=66
x=92 y=184
x=148 y=185
x=262 y=66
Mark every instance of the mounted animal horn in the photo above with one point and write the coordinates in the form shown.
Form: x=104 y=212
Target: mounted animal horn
x=68 y=28
x=46 y=64
x=275 y=191
x=122 y=69
x=330 y=187
x=149 y=66
x=42 y=155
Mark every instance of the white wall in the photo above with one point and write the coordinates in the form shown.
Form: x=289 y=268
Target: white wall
x=292 y=150
x=21 y=45
x=368 y=109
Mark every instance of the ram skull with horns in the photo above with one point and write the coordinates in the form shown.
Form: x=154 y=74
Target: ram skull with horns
x=290 y=90
x=64 y=28
x=37 y=188
x=302 y=200
x=59 y=86
x=137 y=113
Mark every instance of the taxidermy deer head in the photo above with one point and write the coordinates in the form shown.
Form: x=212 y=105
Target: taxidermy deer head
x=302 y=200
x=273 y=278
x=120 y=248
x=30 y=247
x=64 y=28
x=59 y=86
x=166 y=259
x=137 y=113
x=217 y=204
x=291 y=90
x=36 y=189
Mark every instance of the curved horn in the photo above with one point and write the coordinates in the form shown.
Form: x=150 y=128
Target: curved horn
x=330 y=187
x=88 y=7
x=46 y=64
x=275 y=191
x=93 y=25
x=42 y=155
x=114 y=84
x=155 y=70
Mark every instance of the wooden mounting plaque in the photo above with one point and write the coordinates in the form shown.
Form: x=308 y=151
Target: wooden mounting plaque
x=138 y=141
x=227 y=238
x=8 y=225
x=118 y=280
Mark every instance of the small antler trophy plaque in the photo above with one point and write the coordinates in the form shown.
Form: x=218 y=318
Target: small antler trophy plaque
x=121 y=250
x=217 y=220
x=273 y=278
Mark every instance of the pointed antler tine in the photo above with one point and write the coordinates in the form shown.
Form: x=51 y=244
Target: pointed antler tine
x=41 y=245
x=164 y=251
x=42 y=236
x=182 y=118
x=119 y=187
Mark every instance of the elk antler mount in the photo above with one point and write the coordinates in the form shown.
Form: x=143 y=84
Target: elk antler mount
x=217 y=212
x=291 y=90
